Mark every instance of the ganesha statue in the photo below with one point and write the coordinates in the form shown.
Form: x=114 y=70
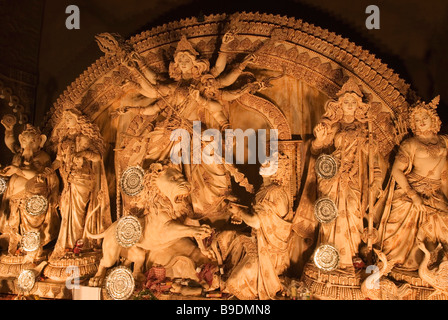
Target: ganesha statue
x=29 y=219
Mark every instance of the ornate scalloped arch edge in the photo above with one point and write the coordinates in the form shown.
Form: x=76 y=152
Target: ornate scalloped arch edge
x=377 y=76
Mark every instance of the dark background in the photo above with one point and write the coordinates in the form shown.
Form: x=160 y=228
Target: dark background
x=39 y=57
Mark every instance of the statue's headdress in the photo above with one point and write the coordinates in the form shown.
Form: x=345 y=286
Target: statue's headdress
x=428 y=106
x=185 y=46
x=31 y=130
x=351 y=86
x=333 y=110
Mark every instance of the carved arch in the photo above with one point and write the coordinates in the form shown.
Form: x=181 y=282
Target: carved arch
x=317 y=56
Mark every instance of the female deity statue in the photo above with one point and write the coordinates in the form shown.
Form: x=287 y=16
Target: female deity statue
x=181 y=102
x=417 y=206
x=85 y=197
x=343 y=135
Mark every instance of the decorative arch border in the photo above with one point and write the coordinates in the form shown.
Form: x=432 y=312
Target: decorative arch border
x=321 y=58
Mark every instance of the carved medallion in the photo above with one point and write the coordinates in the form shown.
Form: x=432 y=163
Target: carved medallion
x=128 y=231
x=36 y=205
x=326 y=257
x=325 y=210
x=326 y=166
x=120 y=283
x=30 y=241
x=26 y=280
x=3 y=185
x=132 y=181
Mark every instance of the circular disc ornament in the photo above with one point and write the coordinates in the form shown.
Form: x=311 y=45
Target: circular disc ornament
x=30 y=241
x=128 y=231
x=132 y=181
x=26 y=280
x=325 y=210
x=120 y=283
x=3 y=185
x=326 y=257
x=36 y=205
x=326 y=166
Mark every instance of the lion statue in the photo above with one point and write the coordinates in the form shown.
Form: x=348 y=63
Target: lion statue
x=167 y=232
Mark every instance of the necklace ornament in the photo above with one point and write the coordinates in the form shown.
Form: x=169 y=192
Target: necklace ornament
x=432 y=148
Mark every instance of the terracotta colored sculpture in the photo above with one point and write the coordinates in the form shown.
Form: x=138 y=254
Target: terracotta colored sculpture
x=159 y=81
x=29 y=203
x=262 y=258
x=191 y=96
x=343 y=131
x=436 y=277
x=80 y=148
x=378 y=287
x=417 y=203
x=166 y=238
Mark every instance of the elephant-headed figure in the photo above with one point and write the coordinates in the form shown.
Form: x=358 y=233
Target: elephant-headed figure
x=28 y=212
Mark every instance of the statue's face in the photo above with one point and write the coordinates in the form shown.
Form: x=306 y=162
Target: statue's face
x=349 y=105
x=70 y=120
x=172 y=184
x=423 y=121
x=30 y=144
x=185 y=63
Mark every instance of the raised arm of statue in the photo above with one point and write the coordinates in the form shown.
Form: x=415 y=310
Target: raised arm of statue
x=252 y=220
x=221 y=62
x=147 y=73
x=9 y=122
x=147 y=89
x=144 y=106
x=229 y=78
x=215 y=108
x=324 y=137
x=230 y=95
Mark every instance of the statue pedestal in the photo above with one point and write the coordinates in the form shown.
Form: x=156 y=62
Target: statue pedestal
x=84 y=266
x=46 y=289
x=334 y=285
x=52 y=284
x=420 y=289
x=12 y=266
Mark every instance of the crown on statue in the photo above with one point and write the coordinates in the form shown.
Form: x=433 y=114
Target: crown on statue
x=351 y=86
x=185 y=46
x=430 y=109
x=31 y=130
x=429 y=106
